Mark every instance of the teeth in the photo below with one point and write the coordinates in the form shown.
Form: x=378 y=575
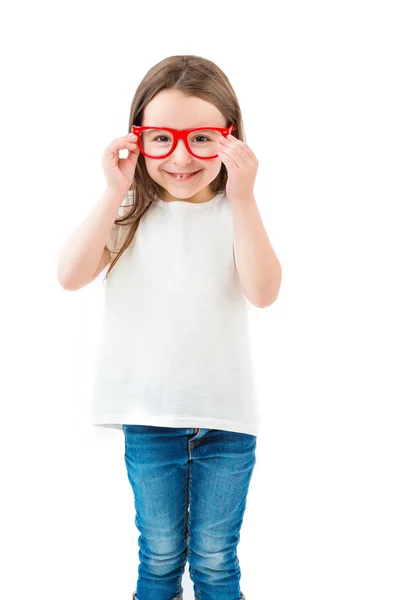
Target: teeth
x=185 y=176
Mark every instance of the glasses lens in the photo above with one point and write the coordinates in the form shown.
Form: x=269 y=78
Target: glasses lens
x=158 y=142
x=204 y=143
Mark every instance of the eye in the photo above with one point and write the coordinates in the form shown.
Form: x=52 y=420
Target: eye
x=160 y=136
x=201 y=136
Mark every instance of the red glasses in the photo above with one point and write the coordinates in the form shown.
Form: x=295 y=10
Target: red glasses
x=160 y=142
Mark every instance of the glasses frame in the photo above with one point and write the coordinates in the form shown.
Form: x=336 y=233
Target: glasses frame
x=179 y=134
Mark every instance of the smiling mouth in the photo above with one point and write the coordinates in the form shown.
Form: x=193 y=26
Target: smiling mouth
x=183 y=172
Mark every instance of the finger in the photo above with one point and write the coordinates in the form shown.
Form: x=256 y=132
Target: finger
x=119 y=144
x=243 y=146
x=227 y=158
x=130 y=146
x=234 y=155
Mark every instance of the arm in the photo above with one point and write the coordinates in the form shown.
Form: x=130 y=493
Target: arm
x=84 y=251
x=257 y=265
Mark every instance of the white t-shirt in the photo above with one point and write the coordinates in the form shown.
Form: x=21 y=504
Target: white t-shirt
x=175 y=349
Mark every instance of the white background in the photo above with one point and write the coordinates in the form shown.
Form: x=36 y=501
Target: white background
x=318 y=83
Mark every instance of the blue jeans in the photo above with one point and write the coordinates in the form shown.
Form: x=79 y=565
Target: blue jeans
x=190 y=488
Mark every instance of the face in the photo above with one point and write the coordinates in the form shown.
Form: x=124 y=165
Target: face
x=171 y=108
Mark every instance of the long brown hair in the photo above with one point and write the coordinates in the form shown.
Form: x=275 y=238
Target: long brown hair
x=193 y=76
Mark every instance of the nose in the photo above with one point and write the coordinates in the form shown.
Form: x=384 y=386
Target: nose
x=181 y=154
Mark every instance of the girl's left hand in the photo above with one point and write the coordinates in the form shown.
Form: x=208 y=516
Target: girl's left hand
x=242 y=165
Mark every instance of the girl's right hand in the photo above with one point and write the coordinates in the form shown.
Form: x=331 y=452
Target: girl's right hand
x=119 y=172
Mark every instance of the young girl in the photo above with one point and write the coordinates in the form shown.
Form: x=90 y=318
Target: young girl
x=189 y=257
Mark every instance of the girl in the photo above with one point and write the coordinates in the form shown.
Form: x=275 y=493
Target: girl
x=189 y=255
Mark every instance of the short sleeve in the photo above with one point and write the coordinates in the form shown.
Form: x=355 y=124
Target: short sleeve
x=112 y=240
x=118 y=232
